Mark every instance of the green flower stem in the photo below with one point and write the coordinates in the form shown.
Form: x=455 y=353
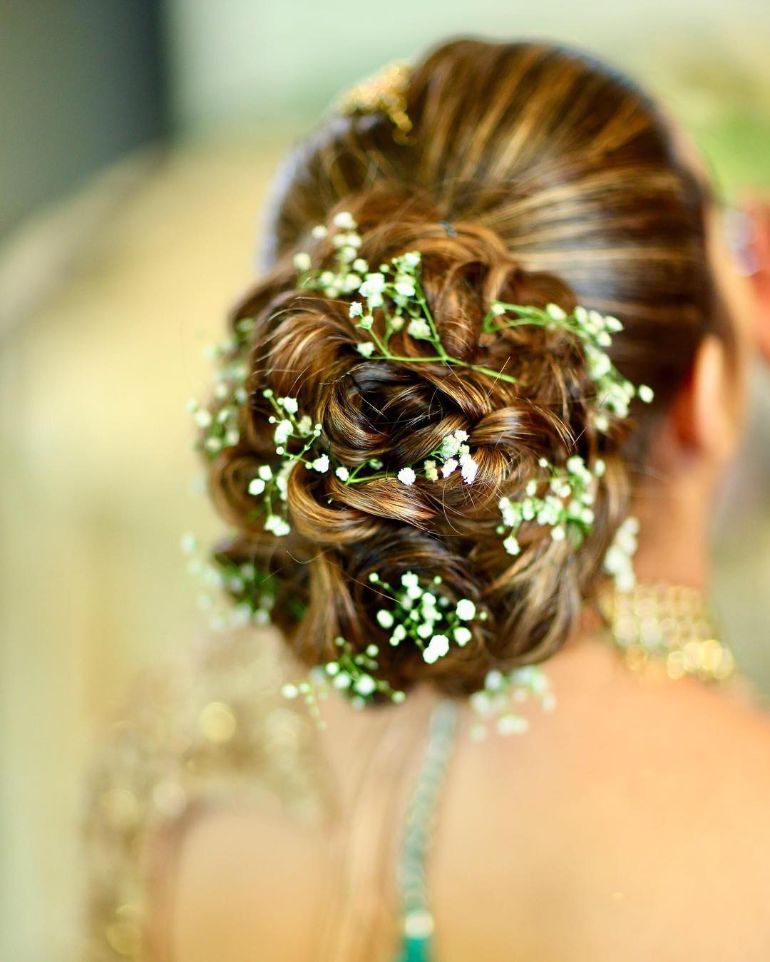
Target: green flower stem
x=447 y=359
x=527 y=317
x=381 y=346
x=422 y=301
x=497 y=375
x=354 y=472
x=365 y=478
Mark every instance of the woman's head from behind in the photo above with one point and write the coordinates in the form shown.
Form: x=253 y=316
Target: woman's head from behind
x=531 y=175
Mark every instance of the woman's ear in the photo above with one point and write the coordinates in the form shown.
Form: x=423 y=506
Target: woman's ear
x=706 y=414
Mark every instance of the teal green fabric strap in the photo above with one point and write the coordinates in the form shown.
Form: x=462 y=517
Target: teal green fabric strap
x=416 y=917
x=415 y=949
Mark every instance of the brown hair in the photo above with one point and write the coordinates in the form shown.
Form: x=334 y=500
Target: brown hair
x=533 y=174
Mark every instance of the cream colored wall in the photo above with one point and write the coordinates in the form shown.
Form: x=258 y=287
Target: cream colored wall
x=95 y=492
x=245 y=58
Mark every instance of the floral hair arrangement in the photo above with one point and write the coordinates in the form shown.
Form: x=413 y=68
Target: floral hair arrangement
x=415 y=612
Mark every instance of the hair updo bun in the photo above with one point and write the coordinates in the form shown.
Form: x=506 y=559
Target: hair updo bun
x=507 y=195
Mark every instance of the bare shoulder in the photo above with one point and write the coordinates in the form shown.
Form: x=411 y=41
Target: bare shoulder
x=635 y=819
x=247 y=880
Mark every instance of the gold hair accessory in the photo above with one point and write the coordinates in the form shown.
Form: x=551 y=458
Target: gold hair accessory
x=671 y=624
x=385 y=92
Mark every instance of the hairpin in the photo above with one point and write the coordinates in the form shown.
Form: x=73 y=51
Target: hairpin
x=385 y=92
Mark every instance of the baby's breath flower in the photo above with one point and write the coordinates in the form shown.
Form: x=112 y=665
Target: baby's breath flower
x=345 y=220
x=462 y=635
x=365 y=685
x=404 y=286
x=436 y=648
x=448 y=467
x=321 y=464
x=354 y=674
x=372 y=289
x=511 y=545
x=646 y=394
x=366 y=348
x=555 y=312
x=466 y=610
x=407 y=476
x=468 y=468
x=278 y=526
x=302 y=261
x=283 y=431
x=189 y=543
x=342 y=473
x=618 y=561
x=385 y=618
x=498 y=703
x=419 y=329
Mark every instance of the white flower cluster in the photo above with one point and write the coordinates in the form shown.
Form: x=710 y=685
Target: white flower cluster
x=614 y=393
x=349 y=269
x=618 y=562
x=452 y=454
x=388 y=301
x=393 y=291
x=251 y=590
x=565 y=506
x=350 y=673
x=219 y=422
x=498 y=704
x=271 y=485
x=425 y=616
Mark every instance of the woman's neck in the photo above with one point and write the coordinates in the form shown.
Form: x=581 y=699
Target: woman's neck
x=674 y=533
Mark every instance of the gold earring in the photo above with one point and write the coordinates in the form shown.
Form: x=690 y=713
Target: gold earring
x=385 y=93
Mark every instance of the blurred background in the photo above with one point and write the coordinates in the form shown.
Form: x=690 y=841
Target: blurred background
x=137 y=140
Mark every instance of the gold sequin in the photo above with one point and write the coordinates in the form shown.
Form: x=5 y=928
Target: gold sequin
x=217 y=722
x=668 y=623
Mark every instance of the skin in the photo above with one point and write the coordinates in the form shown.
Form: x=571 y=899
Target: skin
x=632 y=822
